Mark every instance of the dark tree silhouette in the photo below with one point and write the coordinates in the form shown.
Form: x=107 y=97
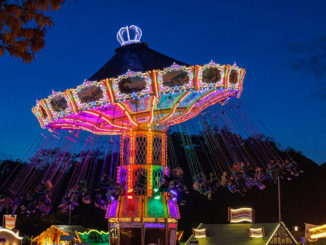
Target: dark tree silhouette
x=312 y=59
x=23 y=25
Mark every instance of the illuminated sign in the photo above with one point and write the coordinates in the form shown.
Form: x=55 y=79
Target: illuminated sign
x=154 y=225
x=241 y=215
x=10 y=221
x=318 y=232
x=199 y=233
x=256 y=232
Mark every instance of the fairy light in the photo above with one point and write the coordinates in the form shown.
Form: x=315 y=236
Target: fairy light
x=150 y=182
x=104 y=117
x=45 y=107
x=155 y=83
x=96 y=231
x=151 y=112
x=35 y=112
x=149 y=159
x=197 y=69
x=132 y=148
x=129 y=176
x=199 y=233
x=109 y=90
x=71 y=101
x=199 y=109
x=226 y=81
x=174 y=107
x=242 y=73
x=121 y=148
x=164 y=147
x=256 y=232
x=127 y=114
x=191 y=106
x=16 y=235
x=241 y=215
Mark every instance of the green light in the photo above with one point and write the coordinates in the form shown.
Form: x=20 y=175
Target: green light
x=95 y=237
x=156 y=207
x=155 y=190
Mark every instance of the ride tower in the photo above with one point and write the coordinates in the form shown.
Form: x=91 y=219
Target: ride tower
x=138 y=94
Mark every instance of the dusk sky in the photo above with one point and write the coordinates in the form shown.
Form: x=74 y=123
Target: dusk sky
x=258 y=35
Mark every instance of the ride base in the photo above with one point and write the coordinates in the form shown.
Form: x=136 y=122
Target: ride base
x=141 y=216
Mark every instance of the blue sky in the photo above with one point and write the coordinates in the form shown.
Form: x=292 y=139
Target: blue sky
x=258 y=35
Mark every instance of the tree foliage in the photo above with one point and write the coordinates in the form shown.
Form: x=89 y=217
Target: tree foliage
x=23 y=24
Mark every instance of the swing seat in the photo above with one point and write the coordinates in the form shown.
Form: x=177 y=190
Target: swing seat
x=232 y=189
x=260 y=186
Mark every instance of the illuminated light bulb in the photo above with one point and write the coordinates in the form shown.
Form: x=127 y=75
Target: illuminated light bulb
x=174 y=192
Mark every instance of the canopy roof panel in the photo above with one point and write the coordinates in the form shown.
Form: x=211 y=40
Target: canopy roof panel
x=136 y=57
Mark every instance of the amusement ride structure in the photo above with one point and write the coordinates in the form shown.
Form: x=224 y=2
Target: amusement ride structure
x=138 y=94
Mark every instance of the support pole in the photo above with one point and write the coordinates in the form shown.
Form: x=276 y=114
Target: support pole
x=69 y=214
x=279 y=206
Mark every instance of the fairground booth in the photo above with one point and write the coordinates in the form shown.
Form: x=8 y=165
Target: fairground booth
x=71 y=234
x=59 y=234
x=241 y=230
x=10 y=237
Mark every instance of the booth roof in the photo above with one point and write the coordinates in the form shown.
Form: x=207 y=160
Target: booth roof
x=70 y=229
x=235 y=234
x=65 y=229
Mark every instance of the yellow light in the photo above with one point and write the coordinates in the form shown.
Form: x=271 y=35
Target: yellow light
x=123 y=108
x=319 y=232
x=241 y=209
x=92 y=230
x=320 y=235
x=199 y=233
x=256 y=232
x=16 y=235
x=241 y=219
x=317 y=228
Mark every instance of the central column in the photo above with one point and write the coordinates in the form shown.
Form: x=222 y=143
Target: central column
x=143 y=160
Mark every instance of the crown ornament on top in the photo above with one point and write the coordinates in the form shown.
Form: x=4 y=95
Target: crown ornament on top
x=129 y=34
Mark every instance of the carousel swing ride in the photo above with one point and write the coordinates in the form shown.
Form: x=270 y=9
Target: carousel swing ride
x=138 y=94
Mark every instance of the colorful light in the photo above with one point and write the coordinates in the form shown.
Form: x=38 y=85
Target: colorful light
x=199 y=233
x=256 y=232
x=318 y=232
x=119 y=110
x=154 y=225
x=16 y=235
x=241 y=215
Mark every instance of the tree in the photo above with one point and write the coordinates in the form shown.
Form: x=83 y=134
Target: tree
x=312 y=60
x=23 y=24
